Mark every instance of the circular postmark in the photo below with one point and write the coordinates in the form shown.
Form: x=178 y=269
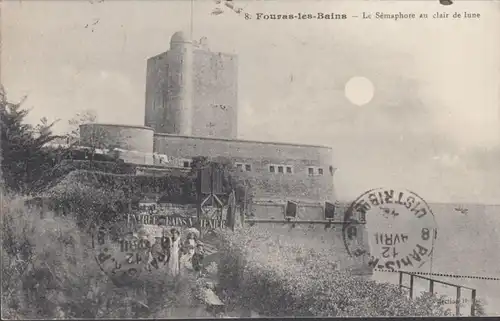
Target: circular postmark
x=124 y=256
x=118 y=256
x=394 y=227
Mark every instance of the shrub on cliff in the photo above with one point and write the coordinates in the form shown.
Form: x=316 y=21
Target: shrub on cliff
x=57 y=173
x=106 y=196
x=281 y=278
x=49 y=271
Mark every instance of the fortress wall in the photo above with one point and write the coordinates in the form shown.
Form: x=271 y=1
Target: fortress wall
x=276 y=210
x=137 y=140
x=317 y=237
x=298 y=185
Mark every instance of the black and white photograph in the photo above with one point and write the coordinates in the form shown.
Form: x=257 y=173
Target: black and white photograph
x=182 y=159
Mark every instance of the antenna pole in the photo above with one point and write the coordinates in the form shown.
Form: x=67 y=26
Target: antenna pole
x=433 y=249
x=191 y=21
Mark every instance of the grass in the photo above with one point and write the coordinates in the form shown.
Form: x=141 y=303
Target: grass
x=282 y=276
x=49 y=271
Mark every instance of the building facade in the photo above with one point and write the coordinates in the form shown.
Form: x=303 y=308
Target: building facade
x=191 y=110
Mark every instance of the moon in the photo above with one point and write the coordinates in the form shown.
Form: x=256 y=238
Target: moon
x=359 y=90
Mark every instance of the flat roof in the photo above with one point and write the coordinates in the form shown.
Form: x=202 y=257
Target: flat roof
x=198 y=49
x=209 y=138
x=118 y=125
x=243 y=141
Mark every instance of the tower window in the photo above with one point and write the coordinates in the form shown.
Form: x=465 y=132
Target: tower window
x=288 y=169
x=280 y=169
x=271 y=169
x=320 y=171
x=248 y=167
x=311 y=171
x=239 y=167
x=185 y=164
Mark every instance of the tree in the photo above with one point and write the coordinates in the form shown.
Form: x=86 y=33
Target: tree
x=480 y=307
x=95 y=139
x=99 y=138
x=83 y=117
x=24 y=157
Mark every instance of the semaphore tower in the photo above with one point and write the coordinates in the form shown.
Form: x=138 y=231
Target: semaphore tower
x=192 y=91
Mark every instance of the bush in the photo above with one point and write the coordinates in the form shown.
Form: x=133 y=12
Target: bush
x=49 y=271
x=57 y=173
x=94 y=195
x=281 y=278
x=24 y=158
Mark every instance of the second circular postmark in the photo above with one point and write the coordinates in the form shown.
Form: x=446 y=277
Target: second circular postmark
x=399 y=225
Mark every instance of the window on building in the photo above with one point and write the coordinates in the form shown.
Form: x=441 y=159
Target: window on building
x=288 y=169
x=280 y=169
x=329 y=211
x=320 y=171
x=331 y=170
x=290 y=209
x=271 y=169
x=248 y=167
x=239 y=167
x=311 y=171
x=186 y=164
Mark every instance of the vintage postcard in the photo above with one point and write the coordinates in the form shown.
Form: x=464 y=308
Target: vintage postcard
x=250 y=158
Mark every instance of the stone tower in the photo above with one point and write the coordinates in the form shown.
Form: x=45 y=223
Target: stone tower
x=191 y=91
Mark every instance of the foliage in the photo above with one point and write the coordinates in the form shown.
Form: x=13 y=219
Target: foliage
x=278 y=277
x=91 y=194
x=54 y=176
x=94 y=138
x=24 y=158
x=97 y=137
x=49 y=272
x=82 y=117
x=98 y=192
x=480 y=307
x=231 y=180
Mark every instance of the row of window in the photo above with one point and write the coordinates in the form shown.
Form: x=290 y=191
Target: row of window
x=273 y=168
x=280 y=169
x=243 y=167
x=311 y=171
x=315 y=171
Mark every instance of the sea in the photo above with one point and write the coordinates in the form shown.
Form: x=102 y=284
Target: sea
x=468 y=246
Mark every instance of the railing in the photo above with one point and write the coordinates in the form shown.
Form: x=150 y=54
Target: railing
x=295 y=221
x=431 y=290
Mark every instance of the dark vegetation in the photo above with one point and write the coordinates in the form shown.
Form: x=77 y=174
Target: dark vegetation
x=280 y=276
x=49 y=271
x=24 y=158
x=48 y=264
